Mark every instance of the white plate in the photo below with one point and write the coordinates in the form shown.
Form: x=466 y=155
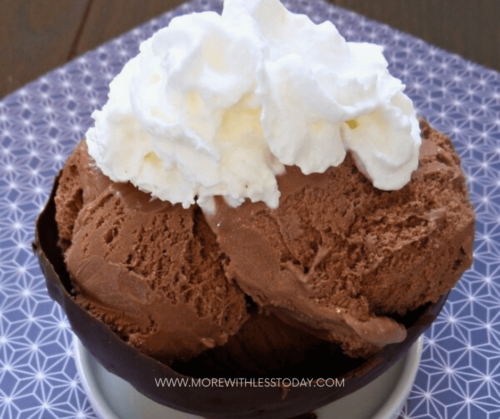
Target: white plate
x=114 y=398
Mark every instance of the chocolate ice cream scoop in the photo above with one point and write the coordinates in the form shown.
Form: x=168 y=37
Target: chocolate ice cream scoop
x=150 y=270
x=338 y=257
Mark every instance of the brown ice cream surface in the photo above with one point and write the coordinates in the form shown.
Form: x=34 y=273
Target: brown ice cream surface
x=337 y=259
x=338 y=256
x=151 y=270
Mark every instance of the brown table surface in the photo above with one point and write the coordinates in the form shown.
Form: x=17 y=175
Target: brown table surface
x=37 y=36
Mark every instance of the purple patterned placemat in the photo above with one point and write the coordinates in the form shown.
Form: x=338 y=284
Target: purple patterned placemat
x=459 y=376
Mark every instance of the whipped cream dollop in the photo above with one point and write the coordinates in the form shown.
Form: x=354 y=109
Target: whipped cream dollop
x=219 y=104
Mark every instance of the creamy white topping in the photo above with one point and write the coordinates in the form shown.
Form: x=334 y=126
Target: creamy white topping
x=217 y=105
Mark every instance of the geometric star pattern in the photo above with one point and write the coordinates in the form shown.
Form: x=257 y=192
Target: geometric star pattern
x=459 y=375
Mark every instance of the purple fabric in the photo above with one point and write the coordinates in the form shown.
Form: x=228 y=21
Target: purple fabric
x=459 y=376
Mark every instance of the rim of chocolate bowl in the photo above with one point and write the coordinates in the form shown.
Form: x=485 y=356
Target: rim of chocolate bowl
x=123 y=360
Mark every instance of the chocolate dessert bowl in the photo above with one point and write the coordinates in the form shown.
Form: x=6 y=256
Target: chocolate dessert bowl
x=125 y=361
x=326 y=360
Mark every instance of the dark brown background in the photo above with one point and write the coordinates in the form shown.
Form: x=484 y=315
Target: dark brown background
x=39 y=35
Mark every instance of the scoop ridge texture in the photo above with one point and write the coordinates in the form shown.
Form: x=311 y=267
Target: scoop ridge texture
x=218 y=105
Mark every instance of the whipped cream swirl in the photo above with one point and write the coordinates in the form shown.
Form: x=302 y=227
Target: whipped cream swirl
x=219 y=104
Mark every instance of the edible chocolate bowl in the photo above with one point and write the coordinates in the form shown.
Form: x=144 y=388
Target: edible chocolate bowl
x=123 y=360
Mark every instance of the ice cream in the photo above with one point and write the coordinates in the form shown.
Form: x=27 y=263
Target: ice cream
x=338 y=266
x=280 y=136
x=338 y=255
x=257 y=192
x=151 y=270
